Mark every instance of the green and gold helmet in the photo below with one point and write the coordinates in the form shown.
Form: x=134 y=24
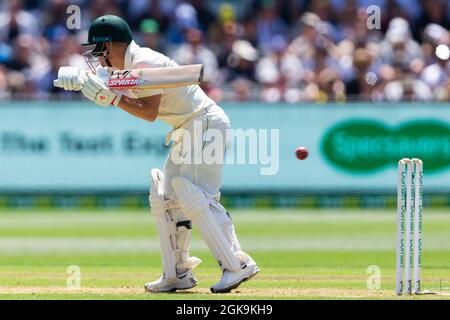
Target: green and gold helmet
x=104 y=29
x=109 y=28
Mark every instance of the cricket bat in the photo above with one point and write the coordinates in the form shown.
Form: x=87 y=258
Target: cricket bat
x=153 y=78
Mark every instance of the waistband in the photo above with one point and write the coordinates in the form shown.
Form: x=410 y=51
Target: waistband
x=175 y=128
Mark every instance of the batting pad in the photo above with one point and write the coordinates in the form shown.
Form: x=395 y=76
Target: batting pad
x=195 y=205
x=165 y=224
x=224 y=220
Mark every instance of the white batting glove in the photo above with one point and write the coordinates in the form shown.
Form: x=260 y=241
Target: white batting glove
x=70 y=78
x=95 y=90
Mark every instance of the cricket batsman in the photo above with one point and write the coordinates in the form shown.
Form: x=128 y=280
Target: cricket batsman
x=184 y=193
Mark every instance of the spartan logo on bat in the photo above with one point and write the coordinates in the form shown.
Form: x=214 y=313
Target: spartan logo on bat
x=124 y=79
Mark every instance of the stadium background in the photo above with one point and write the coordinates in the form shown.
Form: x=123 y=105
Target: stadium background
x=303 y=67
x=74 y=178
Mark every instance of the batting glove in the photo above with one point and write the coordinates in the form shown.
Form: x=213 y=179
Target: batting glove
x=70 y=78
x=95 y=90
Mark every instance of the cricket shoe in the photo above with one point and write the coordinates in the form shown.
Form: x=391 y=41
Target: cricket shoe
x=183 y=281
x=231 y=280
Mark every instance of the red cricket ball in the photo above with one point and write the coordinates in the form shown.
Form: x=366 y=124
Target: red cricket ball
x=301 y=153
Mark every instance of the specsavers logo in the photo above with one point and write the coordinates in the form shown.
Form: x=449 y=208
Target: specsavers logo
x=364 y=146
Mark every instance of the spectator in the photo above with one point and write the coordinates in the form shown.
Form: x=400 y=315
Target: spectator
x=398 y=45
x=269 y=25
x=156 y=10
x=362 y=86
x=398 y=49
x=185 y=18
x=241 y=62
x=436 y=75
x=405 y=87
x=15 y=21
x=205 y=17
x=435 y=11
x=433 y=35
x=346 y=26
x=55 y=20
x=21 y=59
x=303 y=46
x=101 y=7
x=193 y=52
x=226 y=38
x=243 y=46
x=224 y=34
x=443 y=94
x=331 y=87
x=44 y=83
x=149 y=32
x=250 y=32
x=327 y=54
x=279 y=71
x=71 y=50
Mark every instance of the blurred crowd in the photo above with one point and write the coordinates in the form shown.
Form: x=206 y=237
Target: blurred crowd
x=265 y=50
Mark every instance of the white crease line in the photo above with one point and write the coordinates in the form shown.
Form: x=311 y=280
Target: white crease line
x=20 y=246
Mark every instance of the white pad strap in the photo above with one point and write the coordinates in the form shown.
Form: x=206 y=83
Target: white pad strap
x=183 y=238
x=196 y=207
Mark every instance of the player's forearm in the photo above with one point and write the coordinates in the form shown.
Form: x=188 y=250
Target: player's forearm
x=139 y=108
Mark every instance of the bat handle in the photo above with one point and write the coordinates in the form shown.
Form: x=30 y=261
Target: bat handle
x=202 y=72
x=57 y=84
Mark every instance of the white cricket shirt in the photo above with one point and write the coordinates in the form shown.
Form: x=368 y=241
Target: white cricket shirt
x=177 y=104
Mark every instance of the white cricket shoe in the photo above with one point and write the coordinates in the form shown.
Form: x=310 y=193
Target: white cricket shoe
x=231 y=280
x=163 y=285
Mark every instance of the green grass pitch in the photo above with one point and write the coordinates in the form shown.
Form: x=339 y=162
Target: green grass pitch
x=302 y=254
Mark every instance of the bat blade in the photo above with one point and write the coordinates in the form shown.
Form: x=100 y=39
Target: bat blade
x=156 y=78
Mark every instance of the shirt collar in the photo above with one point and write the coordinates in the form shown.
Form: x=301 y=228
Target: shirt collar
x=132 y=48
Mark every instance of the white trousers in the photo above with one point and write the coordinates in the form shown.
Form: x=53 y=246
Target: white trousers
x=208 y=175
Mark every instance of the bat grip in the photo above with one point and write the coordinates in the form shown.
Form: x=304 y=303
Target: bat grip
x=202 y=72
x=57 y=84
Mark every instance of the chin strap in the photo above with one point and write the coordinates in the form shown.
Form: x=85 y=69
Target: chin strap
x=108 y=63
